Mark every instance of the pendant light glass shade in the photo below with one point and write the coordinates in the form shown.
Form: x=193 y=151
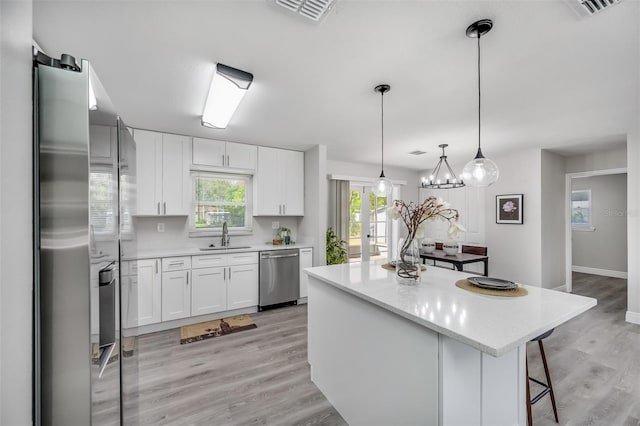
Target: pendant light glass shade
x=480 y=171
x=382 y=186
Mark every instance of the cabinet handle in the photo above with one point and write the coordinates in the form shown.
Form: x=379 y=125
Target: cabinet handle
x=225 y=274
x=158 y=207
x=156 y=266
x=165 y=207
x=187 y=277
x=229 y=273
x=223 y=160
x=279 y=208
x=284 y=209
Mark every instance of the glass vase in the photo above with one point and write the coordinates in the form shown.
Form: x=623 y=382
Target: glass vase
x=408 y=262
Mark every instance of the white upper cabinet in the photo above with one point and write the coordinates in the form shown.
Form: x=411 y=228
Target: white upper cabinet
x=223 y=155
x=162 y=162
x=279 y=183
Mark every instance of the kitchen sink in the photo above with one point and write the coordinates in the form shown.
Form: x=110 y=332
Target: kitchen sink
x=224 y=248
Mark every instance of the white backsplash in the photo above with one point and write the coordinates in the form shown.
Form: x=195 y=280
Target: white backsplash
x=176 y=233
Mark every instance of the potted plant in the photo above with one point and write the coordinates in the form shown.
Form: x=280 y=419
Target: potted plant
x=336 y=250
x=284 y=235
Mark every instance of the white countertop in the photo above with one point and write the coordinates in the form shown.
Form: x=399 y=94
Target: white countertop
x=492 y=324
x=195 y=251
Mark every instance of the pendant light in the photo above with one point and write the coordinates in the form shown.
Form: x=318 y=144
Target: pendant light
x=448 y=180
x=382 y=186
x=480 y=171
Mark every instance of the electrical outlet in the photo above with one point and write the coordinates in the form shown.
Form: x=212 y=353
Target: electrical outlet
x=275 y=225
x=161 y=227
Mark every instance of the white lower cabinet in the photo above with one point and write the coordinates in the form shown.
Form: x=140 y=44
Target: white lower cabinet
x=231 y=284
x=242 y=286
x=209 y=291
x=141 y=293
x=176 y=295
x=306 y=261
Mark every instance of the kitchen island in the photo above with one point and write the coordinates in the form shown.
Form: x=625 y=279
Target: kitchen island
x=429 y=354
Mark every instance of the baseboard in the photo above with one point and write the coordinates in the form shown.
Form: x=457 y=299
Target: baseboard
x=598 y=271
x=633 y=317
x=562 y=288
x=302 y=300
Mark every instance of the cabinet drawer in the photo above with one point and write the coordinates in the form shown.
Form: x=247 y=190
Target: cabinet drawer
x=243 y=258
x=131 y=268
x=176 y=263
x=209 y=260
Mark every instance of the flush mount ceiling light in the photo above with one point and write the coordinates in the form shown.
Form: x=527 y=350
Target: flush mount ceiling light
x=311 y=9
x=382 y=186
x=447 y=179
x=480 y=171
x=228 y=87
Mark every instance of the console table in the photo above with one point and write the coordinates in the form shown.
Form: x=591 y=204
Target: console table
x=457 y=260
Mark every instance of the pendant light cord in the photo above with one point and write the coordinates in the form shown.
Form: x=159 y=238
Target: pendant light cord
x=382 y=134
x=479 y=94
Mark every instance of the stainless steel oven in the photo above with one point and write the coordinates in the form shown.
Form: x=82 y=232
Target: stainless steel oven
x=279 y=277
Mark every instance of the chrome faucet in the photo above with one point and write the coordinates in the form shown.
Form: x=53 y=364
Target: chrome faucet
x=225 y=235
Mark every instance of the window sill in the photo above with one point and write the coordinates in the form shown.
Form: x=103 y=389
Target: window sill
x=583 y=228
x=216 y=233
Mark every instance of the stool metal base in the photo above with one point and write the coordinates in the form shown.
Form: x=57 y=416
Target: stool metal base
x=548 y=387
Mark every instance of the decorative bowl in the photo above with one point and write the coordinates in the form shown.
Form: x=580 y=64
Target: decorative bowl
x=428 y=245
x=450 y=248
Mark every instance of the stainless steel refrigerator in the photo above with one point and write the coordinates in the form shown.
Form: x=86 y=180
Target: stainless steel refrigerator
x=84 y=191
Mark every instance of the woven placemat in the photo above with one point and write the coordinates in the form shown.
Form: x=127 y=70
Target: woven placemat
x=516 y=292
x=390 y=267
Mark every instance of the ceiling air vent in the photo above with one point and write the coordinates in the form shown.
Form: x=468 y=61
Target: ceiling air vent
x=418 y=152
x=311 y=9
x=591 y=7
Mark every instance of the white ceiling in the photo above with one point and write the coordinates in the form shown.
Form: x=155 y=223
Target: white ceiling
x=550 y=78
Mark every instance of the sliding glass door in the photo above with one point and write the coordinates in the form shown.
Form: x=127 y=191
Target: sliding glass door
x=368 y=225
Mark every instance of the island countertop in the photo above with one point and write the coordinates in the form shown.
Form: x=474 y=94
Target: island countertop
x=491 y=324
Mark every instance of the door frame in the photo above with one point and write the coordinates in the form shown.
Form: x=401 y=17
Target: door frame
x=568 y=229
x=366 y=189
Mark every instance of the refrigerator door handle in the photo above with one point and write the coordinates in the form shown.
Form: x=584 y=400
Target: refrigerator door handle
x=105 y=354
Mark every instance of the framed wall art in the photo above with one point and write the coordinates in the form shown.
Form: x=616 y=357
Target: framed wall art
x=509 y=209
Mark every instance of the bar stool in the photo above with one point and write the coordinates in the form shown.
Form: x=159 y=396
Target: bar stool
x=548 y=388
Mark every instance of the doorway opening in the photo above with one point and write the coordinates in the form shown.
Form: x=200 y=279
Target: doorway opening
x=596 y=224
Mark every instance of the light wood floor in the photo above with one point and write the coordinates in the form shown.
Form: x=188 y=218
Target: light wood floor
x=261 y=376
x=594 y=361
x=254 y=377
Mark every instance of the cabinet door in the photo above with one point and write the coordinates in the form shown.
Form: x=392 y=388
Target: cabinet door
x=241 y=156
x=292 y=168
x=175 y=175
x=176 y=295
x=149 y=172
x=208 y=152
x=242 y=286
x=268 y=190
x=142 y=294
x=209 y=291
x=306 y=261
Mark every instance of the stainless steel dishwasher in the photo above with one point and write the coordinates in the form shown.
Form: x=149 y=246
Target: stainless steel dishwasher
x=279 y=277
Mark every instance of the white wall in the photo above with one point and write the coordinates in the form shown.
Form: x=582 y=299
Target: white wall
x=597 y=160
x=16 y=248
x=633 y=224
x=515 y=250
x=605 y=247
x=552 y=219
x=313 y=225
